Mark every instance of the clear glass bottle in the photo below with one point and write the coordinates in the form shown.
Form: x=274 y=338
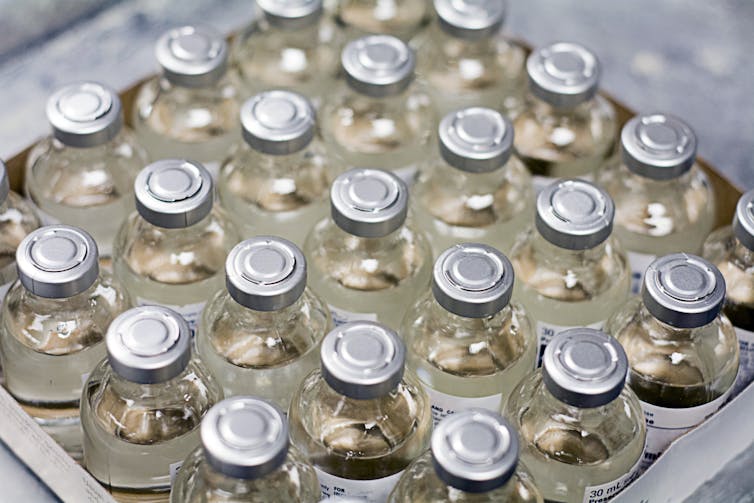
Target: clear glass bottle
x=565 y=129
x=277 y=180
x=172 y=250
x=473 y=458
x=245 y=456
x=83 y=175
x=261 y=335
x=289 y=45
x=731 y=250
x=400 y=18
x=570 y=271
x=466 y=342
x=664 y=203
x=142 y=405
x=53 y=323
x=581 y=428
x=475 y=190
x=682 y=352
x=359 y=420
x=379 y=115
x=465 y=61
x=190 y=111
x=367 y=261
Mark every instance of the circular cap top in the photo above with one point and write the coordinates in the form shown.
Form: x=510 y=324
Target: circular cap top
x=368 y=203
x=378 y=65
x=743 y=220
x=472 y=280
x=470 y=18
x=265 y=273
x=57 y=261
x=291 y=14
x=362 y=360
x=683 y=290
x=584 y=367
x=278 y=122
x=4 y=183
x=475 y=139
x=148 y=344
x=475 y=450
x=574 y=214
x=85 y=114
x=173 y=193
x=563 y=74
x=192 y=56
x=245 y=437
x=658 y=146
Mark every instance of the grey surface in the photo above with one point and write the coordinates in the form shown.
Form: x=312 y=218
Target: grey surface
x=563 y=74
x=743 y=221
x=475 y=139
x=19 y=483
x=192 y=56
x=658 y=146
x=471 y=19
x=278 y=122
x=85 y=114
x=378 y=65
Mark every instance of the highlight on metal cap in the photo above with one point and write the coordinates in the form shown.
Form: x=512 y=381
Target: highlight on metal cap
x=368 y=203
x=743 y=221
x=148 y=344
x=378 y=65
x=245 y=437
x=658 y=146
x=57 y=261
x=278 y=122
x=584 y=367
x=683 y=290
x=472 y=280
x=85 y=114
x=173 y=193
x=362 y=360
x=475 y=450
x=265 y=273
x=563 y=74
x=471 y=19
x=574 y=214
x=475 y=139
x=291 y=14
x=192 y=56
x=4 y=183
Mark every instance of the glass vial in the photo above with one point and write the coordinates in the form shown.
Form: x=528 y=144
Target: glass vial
x=570 y=271
x=142 y=405
x=245 y=456
x=581 y=428
x=368 y=262
x=473 y=457
x=172 y=250
x=565 y=129
x=475 y=189
x=400 y=18
x=53 y=323
x=466 y=342
x=260 y=336
x=359 y=420
x=83 y=174
x=276 y=182
x=682 y=352
x=664 y=202
x=191 y=110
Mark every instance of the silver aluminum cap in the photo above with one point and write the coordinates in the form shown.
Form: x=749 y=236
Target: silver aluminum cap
x=574 y=214
x=291 y=14
x=743 y=221
x=362 y=360
x=658 y=146
x=245 y=437
x=584 y=367
x=471 y=19
x=683 y=290
x=57 y=261
x=4 y=183
x=192 y=56
x=472 y=280
x=563 y=74
x=278 y=122
x=148 y=344
x=173 y=193
x=85 y=114
x=378 y=65
x=265 y=273
x=369 y=203
x=477 y=140
x=475 y=450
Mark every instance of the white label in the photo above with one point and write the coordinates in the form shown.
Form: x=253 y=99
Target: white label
x=546 y=331
x=192 y=313
x=746 y=362
x=444 y=405
x=607 y=491
x=341 y=316
x=174 y=467
x=639 y=263
x=374 y=491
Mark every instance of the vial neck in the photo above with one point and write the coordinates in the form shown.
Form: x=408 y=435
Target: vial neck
x=569 y=259
x=743 y=256
x=454 y=326
x=661 y=331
